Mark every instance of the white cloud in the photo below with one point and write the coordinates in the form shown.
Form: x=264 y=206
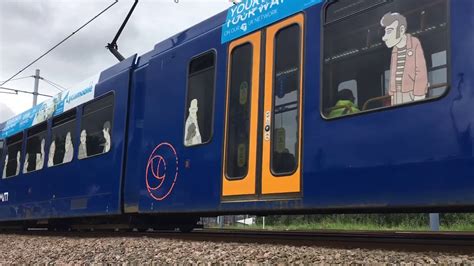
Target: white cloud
x=5 y=113
x=30 y=27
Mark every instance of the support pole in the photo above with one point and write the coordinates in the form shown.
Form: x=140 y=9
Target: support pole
x=35 y=91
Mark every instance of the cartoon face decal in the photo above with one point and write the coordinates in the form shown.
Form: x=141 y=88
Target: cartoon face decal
x=83 y=136
x=68 y=144
x=82 y=153
x=395 y=26
x=408 y=70
x=161 y=171
x=390 y=37
x=68 y=149
x=52 y=151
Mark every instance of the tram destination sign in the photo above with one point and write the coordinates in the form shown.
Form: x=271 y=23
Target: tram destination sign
x=251 y=15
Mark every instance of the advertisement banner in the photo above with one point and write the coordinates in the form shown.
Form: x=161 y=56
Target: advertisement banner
x=251 y=15
x=60 y=103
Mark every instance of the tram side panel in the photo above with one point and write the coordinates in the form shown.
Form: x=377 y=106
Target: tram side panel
x=165 y=171
x=99 y=177
x=89 y=182
x=412 y=156
x=93 y=186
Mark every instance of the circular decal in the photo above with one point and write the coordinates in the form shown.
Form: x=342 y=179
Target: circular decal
x=161 y=171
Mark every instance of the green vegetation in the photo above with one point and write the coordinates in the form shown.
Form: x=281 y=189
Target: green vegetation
x=369 y=222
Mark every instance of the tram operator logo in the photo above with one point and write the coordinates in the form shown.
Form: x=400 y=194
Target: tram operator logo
x=161 y=171
x=4 y=197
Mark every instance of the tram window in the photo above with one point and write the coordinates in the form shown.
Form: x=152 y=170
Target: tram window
x=1 y=149
x=200 y=100
x=438 y=73
x=238 y=114
x=396 y=51
x=342 y=10
x=35 y=148
x=13 y=156
x=61 y=148
x=286 y=94
x=1 y=154
x=96 y=130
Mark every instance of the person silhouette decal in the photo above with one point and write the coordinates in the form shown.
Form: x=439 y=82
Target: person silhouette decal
x=193 y=135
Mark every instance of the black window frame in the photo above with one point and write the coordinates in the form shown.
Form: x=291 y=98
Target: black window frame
x=249 y=100
x=32 y=132
x=112 y=123
x=68 y=116
x=12 y=140
x=211 y=134
x=448 y=65
x=301 y=43
x=2 y=160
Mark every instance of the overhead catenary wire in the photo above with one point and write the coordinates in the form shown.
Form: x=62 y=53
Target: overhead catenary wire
x=16 y=91
x=7 y=92
x=51 y=83
x=25 y=77
x=55 y=85
x=58 y=44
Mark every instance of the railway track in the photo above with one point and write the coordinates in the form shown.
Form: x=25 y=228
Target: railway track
x=403 y=241
x=451 y=242
x=235 y=247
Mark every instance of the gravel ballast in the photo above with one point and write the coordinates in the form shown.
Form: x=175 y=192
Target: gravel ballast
x=21 y=248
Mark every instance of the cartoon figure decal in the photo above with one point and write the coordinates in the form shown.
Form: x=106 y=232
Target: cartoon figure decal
x=5 y=167
x=52 y=151
x=68 y=149
x=192 y=135
x=36 y=159
x=26 y=163
x=18 y=157
x=82 y=153
x=161 y=171
x=40 y=156
x=106 y=133
x=408 y=71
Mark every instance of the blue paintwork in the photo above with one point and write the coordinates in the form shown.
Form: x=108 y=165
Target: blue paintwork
x=94 y=183
x=417 y=156
x=429 y=165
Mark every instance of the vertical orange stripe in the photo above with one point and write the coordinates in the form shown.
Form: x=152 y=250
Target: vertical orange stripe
x=246 y=185
x=280 y=184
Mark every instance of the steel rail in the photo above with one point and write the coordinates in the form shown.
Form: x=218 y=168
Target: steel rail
x=446 y=242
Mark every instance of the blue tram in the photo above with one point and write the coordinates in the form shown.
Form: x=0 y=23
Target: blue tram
x=270 y=107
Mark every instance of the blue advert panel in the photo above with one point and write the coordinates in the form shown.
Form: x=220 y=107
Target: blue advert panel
x=60 y=103
x=251 y=15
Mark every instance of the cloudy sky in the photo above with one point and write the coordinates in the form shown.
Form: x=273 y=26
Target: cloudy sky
x=30 y=27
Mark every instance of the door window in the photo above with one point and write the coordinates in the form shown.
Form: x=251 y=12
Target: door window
x=286 y=93
x=238 y=116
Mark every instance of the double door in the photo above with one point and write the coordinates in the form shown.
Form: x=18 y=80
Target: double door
x=262 y=148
